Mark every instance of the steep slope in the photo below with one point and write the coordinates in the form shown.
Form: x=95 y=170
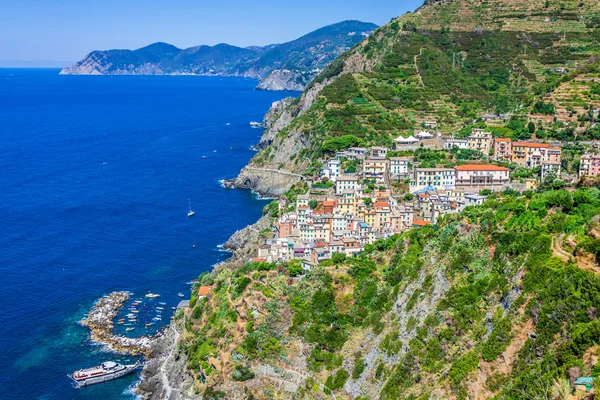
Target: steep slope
x=450 y=62
x=476 y=307
x=293 y=63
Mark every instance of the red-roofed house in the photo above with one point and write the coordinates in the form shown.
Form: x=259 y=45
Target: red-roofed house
x=418 y=222
x=328 y=206
x=481 y=174
x=204 y=291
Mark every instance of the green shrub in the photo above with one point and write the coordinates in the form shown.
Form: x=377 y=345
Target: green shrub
x=463 y=367
x=359 y=366
x=337 y=380
x=241 y=373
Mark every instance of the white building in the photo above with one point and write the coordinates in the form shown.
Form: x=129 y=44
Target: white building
x=332 y=169
x=481 y=174
x=439 y=178
x=549 y=166
x=398 y=166
x=456 y=143
x=346 y=182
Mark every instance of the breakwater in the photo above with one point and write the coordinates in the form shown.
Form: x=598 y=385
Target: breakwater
x=100 y=321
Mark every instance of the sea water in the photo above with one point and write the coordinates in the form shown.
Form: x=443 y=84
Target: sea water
x=95 y=177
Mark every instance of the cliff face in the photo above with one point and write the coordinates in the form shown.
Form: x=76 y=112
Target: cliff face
x=286 y=80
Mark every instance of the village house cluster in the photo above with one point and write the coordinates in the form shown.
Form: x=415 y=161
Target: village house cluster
x=360 y=208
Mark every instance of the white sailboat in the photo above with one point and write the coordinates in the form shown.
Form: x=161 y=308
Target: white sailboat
x=190 y=211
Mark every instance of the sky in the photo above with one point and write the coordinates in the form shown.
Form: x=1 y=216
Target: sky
x=66 y=30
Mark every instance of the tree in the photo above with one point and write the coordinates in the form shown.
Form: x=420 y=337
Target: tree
x=294 y=268
x=312 y=203
x=368 y=202
x=531 y=127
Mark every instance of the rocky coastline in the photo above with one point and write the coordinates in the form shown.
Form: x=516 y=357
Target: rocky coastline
x=166 y=376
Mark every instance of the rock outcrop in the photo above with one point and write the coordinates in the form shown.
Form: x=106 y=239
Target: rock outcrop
x=285 y=79
x=243 y=237
x=264 y=181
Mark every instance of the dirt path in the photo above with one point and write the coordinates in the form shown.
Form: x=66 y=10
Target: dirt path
x=583 y=262
x=557 y=249
x=417 y=66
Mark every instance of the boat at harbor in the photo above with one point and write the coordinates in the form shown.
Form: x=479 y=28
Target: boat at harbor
x=152 y=295
x=129 y=329
x=107 y=371
x=180 y=294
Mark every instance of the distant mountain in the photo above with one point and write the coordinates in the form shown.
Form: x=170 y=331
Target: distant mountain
x=293 y=63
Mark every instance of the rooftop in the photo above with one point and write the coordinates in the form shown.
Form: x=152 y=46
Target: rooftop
x=530 y=144
x=480 y=167
x=204 y=290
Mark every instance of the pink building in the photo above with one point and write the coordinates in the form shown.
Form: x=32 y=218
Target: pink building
x=589 y=165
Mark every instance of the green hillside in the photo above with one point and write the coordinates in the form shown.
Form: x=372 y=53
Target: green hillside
x=452 y=62
x=491 y=303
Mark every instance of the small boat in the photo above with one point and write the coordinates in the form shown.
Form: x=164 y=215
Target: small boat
x=190 y=211
x=152 y=295
x=135 y=311
x=173 y=308
x=127 y=324
x=255 y=124
x=147 y=325
x=160 y=308
x=107 y=371
x=129 y=329
x=162 y=302
x=180 y=295
x=157 y=319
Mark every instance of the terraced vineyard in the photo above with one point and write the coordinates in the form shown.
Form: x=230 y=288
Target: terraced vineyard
x=451 y=62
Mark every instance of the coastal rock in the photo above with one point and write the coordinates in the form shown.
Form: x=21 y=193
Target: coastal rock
x=165 y=376
x=285 y=79
x=245 y=236
x=264 y=181
x=100 y=321
x=275 y=120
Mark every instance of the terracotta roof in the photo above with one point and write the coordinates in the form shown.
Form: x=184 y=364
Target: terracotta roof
x=528 y=144
x=503 y=139
x=328 y=203
x=382 y=204
x=421 y=223
x=480 y=167
x=259 y=259
x=204 y=290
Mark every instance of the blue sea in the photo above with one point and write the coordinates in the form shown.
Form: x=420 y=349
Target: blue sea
x=95 y=177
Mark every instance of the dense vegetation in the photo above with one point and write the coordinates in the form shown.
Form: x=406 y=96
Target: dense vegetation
x=442 y=305
x=538 y=79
